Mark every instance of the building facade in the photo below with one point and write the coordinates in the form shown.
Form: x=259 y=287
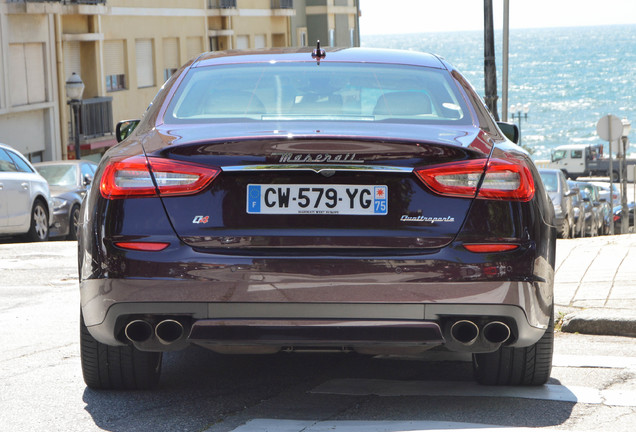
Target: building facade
x=332 y=22
x=124 y=50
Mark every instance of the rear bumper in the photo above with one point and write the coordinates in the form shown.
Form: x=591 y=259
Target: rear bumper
x=285 y=297
x=399 y=321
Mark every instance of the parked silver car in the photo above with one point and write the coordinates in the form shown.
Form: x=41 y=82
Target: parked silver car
x=25 y=201
x=561 y=196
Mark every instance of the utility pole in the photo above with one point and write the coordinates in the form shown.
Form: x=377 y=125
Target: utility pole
x=505 y=46
x=490 y=69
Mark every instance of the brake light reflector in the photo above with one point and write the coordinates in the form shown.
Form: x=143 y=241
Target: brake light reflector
x=490 y=247
x=131 y=178
x=502 y=179
x=143 y=246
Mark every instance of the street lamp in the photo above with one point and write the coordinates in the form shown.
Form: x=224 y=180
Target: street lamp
x=517 y=111
x=74 y=90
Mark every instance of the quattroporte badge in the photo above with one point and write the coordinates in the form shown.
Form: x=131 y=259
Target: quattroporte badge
x=427 y=219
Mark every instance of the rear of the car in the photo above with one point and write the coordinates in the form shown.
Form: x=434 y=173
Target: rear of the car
x=289 y=205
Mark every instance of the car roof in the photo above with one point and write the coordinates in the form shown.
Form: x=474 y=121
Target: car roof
x=7 y=146
x=343 y=55
x=14 y=150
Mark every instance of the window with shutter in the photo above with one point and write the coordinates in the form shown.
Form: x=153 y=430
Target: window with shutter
x=72 y=59
x=242 y=42
x=17 y=75
x=194 y=46
x=145 y=63
x=259 y=41
x=114 y=65
x=27 y=73
x=170 y=57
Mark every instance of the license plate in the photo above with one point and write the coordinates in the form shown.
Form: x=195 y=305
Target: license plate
x=317 y=199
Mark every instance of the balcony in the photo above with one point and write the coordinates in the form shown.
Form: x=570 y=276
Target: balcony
x=282 y=4
x=95 y=119
x=221 y=4
x=72 y=7
x=78 y=2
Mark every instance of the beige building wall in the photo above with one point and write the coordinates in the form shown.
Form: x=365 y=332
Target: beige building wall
x=124 y=50
x=251 y=24
x=134 y=25
x=28 y=93
x=333 y=22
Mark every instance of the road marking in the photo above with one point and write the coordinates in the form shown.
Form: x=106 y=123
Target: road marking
x=266 y=425
x=550 y=392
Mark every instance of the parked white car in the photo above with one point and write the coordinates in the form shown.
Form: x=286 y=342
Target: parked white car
x=25 y=201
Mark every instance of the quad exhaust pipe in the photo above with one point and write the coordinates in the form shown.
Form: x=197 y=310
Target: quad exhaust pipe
x=167 y=331
x=138 y=331
x=468 y=333
x=465 y=332
x=496 y=332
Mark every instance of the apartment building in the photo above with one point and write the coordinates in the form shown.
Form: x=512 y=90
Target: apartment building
x=124 y=50
x=332 y=22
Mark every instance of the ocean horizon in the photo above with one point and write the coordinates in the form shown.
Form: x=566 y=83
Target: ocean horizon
x=570 y=76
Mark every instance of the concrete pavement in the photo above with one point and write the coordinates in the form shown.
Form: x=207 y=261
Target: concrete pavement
x=595 y=285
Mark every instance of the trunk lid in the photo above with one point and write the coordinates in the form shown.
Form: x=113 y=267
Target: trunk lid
x=317 y=193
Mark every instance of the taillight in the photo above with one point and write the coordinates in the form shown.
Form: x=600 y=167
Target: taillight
x=131 y=178
x=504 y=180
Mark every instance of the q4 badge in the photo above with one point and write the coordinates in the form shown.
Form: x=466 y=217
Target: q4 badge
x=200 y=219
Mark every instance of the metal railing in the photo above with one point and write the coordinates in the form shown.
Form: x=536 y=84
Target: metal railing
x=221 y=4
x=95 y=118
x=282 y=4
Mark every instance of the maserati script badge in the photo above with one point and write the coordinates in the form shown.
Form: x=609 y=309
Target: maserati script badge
x=318 y=158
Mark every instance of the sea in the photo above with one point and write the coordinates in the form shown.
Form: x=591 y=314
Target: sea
x=571 y=77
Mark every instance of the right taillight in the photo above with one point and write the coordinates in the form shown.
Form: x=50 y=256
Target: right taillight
x=502 y=179
x=131 y=177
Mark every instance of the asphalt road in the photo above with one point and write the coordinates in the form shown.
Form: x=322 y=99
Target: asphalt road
x=593 y=384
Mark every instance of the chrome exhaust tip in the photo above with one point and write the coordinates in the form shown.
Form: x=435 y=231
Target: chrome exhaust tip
x=169 y=331
x=138 y=331
x=496 y=332
x=465 y=332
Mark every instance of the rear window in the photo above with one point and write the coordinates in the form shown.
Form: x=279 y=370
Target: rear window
x=550 y=181
x=329 y=91
x=59 y=175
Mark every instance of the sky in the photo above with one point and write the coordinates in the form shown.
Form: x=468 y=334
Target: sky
x=422 y=16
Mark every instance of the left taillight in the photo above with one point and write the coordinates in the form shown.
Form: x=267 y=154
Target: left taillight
x=132 y=178
x=503 y=179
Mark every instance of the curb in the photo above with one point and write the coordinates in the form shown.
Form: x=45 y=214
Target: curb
x=597 y=321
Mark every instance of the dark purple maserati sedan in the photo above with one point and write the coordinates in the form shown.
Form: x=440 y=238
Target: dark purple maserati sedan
x=357 y=199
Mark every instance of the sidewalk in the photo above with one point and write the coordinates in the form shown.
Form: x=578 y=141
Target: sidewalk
x=595 y=285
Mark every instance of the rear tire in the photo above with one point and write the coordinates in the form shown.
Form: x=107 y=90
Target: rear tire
x=530 y=366
x=39 y=230
x=106 y=367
